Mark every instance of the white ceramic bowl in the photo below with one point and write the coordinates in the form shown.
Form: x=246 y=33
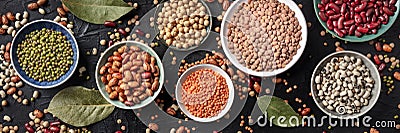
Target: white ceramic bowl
x=199 y=67
x=298 y=14
x=375 y=91
x=103 y=60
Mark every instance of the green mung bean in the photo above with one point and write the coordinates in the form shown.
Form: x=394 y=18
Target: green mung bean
x=45 y=55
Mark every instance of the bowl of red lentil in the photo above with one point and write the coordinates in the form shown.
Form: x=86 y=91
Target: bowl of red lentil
x=263 y=38
x=205 y=93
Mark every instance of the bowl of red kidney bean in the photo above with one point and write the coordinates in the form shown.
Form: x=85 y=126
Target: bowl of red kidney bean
x=129 y=75
x=356 y=20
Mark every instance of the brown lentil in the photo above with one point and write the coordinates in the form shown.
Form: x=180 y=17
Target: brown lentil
x=267 y=48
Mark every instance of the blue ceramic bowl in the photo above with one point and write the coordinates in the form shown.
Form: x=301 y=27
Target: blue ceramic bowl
x=38 y=25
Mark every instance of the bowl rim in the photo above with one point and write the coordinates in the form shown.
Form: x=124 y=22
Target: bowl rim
x=230 y=88
x=373 y=101
x=364 y=38
x=208 y=28
x=73 y=67
x=101 y=89
x=303 y=43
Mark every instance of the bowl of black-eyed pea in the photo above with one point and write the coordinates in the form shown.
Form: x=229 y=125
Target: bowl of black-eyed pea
x=345 y=85
x=265 y=42
x=183 y=24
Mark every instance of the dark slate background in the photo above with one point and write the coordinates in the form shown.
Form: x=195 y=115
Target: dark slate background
x=89 y=35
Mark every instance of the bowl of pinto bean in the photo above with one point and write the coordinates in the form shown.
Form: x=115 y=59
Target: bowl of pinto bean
x=129 y=75
x=356 y=20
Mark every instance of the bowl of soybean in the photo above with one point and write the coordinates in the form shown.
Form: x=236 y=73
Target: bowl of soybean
x=44 y=54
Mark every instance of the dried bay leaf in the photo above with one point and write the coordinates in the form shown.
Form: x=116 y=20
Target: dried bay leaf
x=80 y=106
x=98 y=11
x=277 y=107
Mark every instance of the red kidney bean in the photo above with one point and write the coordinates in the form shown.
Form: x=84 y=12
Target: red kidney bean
x=376 y=60
x=361 y=7
x=334 y=7
x=381 y=67
x=370 y=5
x=374 y=31
x=369 y=12
x=110 y=43
x=338 y=2
x=330 y=13
x=387 y=11
x=55 y=129
x=326 y=7
x=335 y=23
x=347 y=16
x=358 y=34
x=335 y=17
x=378 y=3
x=358 y=18
x=344 y=32
x=343 y=8
x=357 y=1
x=321 y=7
x=122 y=31
x=325 y=1
x=372 y=25
x=29 y=128
x=392 y=2
x=364 y=17
x=348 y=22
x=352 y=29
x=340 y=23
x=329 y=23
x=393 y=8
x=386 y=3
x=322 y=16
x=139 y=32
x=362 y=30
x=109 y=24
x=54 y=123
x=338 y=32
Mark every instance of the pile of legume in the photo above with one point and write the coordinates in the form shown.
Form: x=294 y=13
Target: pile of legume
x=183 y=23
x=356 y=17
x=264 y=35
x=205 y=93
x=344 y=85
x=45 y=55
x=131 y=75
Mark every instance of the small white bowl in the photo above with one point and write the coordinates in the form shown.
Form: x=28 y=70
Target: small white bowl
x=103 y=60
x=229 y=13
x=219 y=71
x=375 y=91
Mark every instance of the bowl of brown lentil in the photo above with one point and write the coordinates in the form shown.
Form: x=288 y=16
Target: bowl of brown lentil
x=263 y=38
x=129 y=75
x=44 y=54
x=183 y=24
x=205 y=93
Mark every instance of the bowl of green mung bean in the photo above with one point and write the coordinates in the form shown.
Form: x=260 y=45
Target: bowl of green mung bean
x=44 y=54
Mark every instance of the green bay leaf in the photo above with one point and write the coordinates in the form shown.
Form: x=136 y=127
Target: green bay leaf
x=79 y=106
x=98 y=11
x=276 y=107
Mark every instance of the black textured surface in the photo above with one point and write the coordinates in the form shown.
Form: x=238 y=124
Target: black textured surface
x=89 y=35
